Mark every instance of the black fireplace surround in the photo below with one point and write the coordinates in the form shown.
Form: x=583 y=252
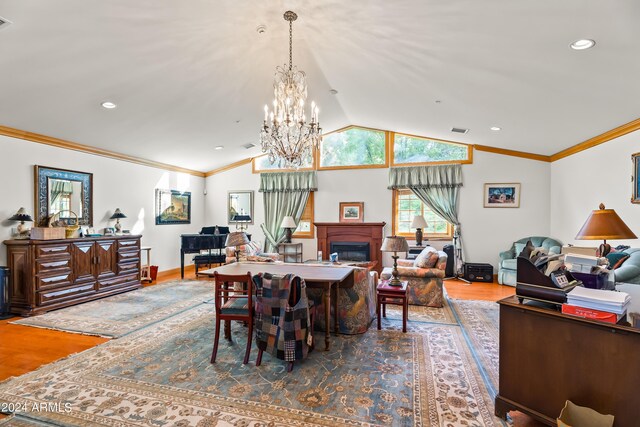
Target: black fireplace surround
x=351 y=251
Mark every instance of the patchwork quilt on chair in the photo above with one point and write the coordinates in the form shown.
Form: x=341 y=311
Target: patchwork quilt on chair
x=282 y=329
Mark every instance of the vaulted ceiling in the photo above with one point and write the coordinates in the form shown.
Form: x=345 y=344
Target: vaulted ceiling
x=191 y=75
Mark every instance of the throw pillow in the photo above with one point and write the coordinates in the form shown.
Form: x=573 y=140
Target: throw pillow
x=427 y=258
x=615 y=257
x=621 y=261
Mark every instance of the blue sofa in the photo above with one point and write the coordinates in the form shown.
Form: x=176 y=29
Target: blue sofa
x=629 y=271
x=507 y=270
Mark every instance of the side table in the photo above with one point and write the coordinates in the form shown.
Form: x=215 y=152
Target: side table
x=396 y=295
x=146 y=267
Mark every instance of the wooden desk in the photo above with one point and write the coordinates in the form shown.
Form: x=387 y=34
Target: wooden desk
x=315 y=276
x=547 y=357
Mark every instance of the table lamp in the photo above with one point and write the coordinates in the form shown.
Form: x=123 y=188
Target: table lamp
x=394 y=244
x=604 y=224
x=418 y=223
x=236 y=239
x=289 y=223
x=117 y=215
x=241 y=219
x=22 y=216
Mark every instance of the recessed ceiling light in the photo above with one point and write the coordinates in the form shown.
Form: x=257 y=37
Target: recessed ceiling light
x=582 y=44
x=333 y=92
x=108 y=105
x=496 y=128
x=437 y=101
x=219 y=147
x=261 y=29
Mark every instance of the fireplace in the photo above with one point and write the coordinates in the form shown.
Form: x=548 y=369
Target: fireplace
x=351 y=234
x=351 y=251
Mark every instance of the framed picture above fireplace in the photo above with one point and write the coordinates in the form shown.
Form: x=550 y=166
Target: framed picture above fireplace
x=351 y=211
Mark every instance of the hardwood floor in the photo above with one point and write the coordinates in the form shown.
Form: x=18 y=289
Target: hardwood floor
x=24 y=348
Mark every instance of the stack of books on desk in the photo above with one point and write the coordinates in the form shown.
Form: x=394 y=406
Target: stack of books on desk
x=597 y=304
x=585 y=263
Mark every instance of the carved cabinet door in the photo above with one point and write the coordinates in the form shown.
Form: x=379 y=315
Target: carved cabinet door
x=106 y=251
x=83 y=256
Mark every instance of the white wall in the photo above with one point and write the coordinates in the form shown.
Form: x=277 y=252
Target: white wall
x=487 y=232
x=116 y=184
x=581 y=182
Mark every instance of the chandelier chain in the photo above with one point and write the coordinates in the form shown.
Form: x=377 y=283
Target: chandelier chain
x=290 y=45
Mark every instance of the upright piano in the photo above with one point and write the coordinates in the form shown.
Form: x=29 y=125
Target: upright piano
x=196 y=243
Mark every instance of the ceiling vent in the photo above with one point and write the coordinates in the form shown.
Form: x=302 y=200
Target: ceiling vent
x=248 y=146
x=4 y=22
x=459 y=130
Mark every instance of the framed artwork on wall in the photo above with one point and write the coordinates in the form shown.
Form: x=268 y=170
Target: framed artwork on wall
x=502 y=195
x=173 y=207
x=351 y=211
x=635 y=193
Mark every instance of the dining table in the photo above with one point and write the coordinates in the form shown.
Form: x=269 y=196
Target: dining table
x=325 y=277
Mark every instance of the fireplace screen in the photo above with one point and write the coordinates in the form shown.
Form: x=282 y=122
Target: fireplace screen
x=351 y=251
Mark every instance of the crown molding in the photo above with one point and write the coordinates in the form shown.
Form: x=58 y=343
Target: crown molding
x=68 y=145
x=597 y=140
x=229 y=166
x=513 y=153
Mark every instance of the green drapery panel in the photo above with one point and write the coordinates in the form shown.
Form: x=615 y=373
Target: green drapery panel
x=425 y=176
x=288 y=181
x=284 y=194
x=438 y=188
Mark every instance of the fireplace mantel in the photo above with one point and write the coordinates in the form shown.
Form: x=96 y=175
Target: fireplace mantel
x=371 y=232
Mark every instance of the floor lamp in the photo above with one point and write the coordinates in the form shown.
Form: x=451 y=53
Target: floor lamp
x=457 y=258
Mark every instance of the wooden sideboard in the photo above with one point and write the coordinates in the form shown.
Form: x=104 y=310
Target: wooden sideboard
x=547 y=357
x=50 y=274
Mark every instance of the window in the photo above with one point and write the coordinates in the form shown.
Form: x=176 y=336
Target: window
x=353 y=148
x=305 y=226
x=415 y=150
x=405 y=206
x=262 y=164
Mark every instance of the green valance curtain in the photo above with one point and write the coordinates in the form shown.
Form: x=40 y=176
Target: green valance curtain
x=446 y=176
x=438 y=188
x=288 y=181
x=284 y=194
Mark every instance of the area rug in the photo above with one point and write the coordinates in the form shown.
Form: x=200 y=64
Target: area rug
x=161 y=376
x=418 y=318
x=480 y=321
x=122 y=314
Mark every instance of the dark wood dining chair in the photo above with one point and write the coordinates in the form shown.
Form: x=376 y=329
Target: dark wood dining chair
x=233 y=303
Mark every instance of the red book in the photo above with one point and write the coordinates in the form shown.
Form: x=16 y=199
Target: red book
x=590 y=313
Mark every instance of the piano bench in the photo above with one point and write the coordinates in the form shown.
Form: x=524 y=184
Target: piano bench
x=208 y=260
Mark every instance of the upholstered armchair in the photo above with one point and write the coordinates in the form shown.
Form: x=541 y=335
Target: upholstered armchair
x=507 y=270
x=425 y=282
x=250 y=252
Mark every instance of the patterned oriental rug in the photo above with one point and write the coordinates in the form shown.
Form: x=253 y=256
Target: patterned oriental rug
x=161 y=376
x=480 y=322
x=122 y=314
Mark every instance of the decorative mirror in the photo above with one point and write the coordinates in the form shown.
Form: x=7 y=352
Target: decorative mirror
x=69 y=194
x=240 y=203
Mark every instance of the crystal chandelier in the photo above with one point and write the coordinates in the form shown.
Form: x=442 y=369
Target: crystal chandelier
x=286 y=136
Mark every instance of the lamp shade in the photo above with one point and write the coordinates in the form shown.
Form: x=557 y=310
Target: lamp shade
x=394 y=244
x=418 y=222
x=21 y=215
x=288 y=222
x=118 y=214
x=604 y=224
x=237 y=238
